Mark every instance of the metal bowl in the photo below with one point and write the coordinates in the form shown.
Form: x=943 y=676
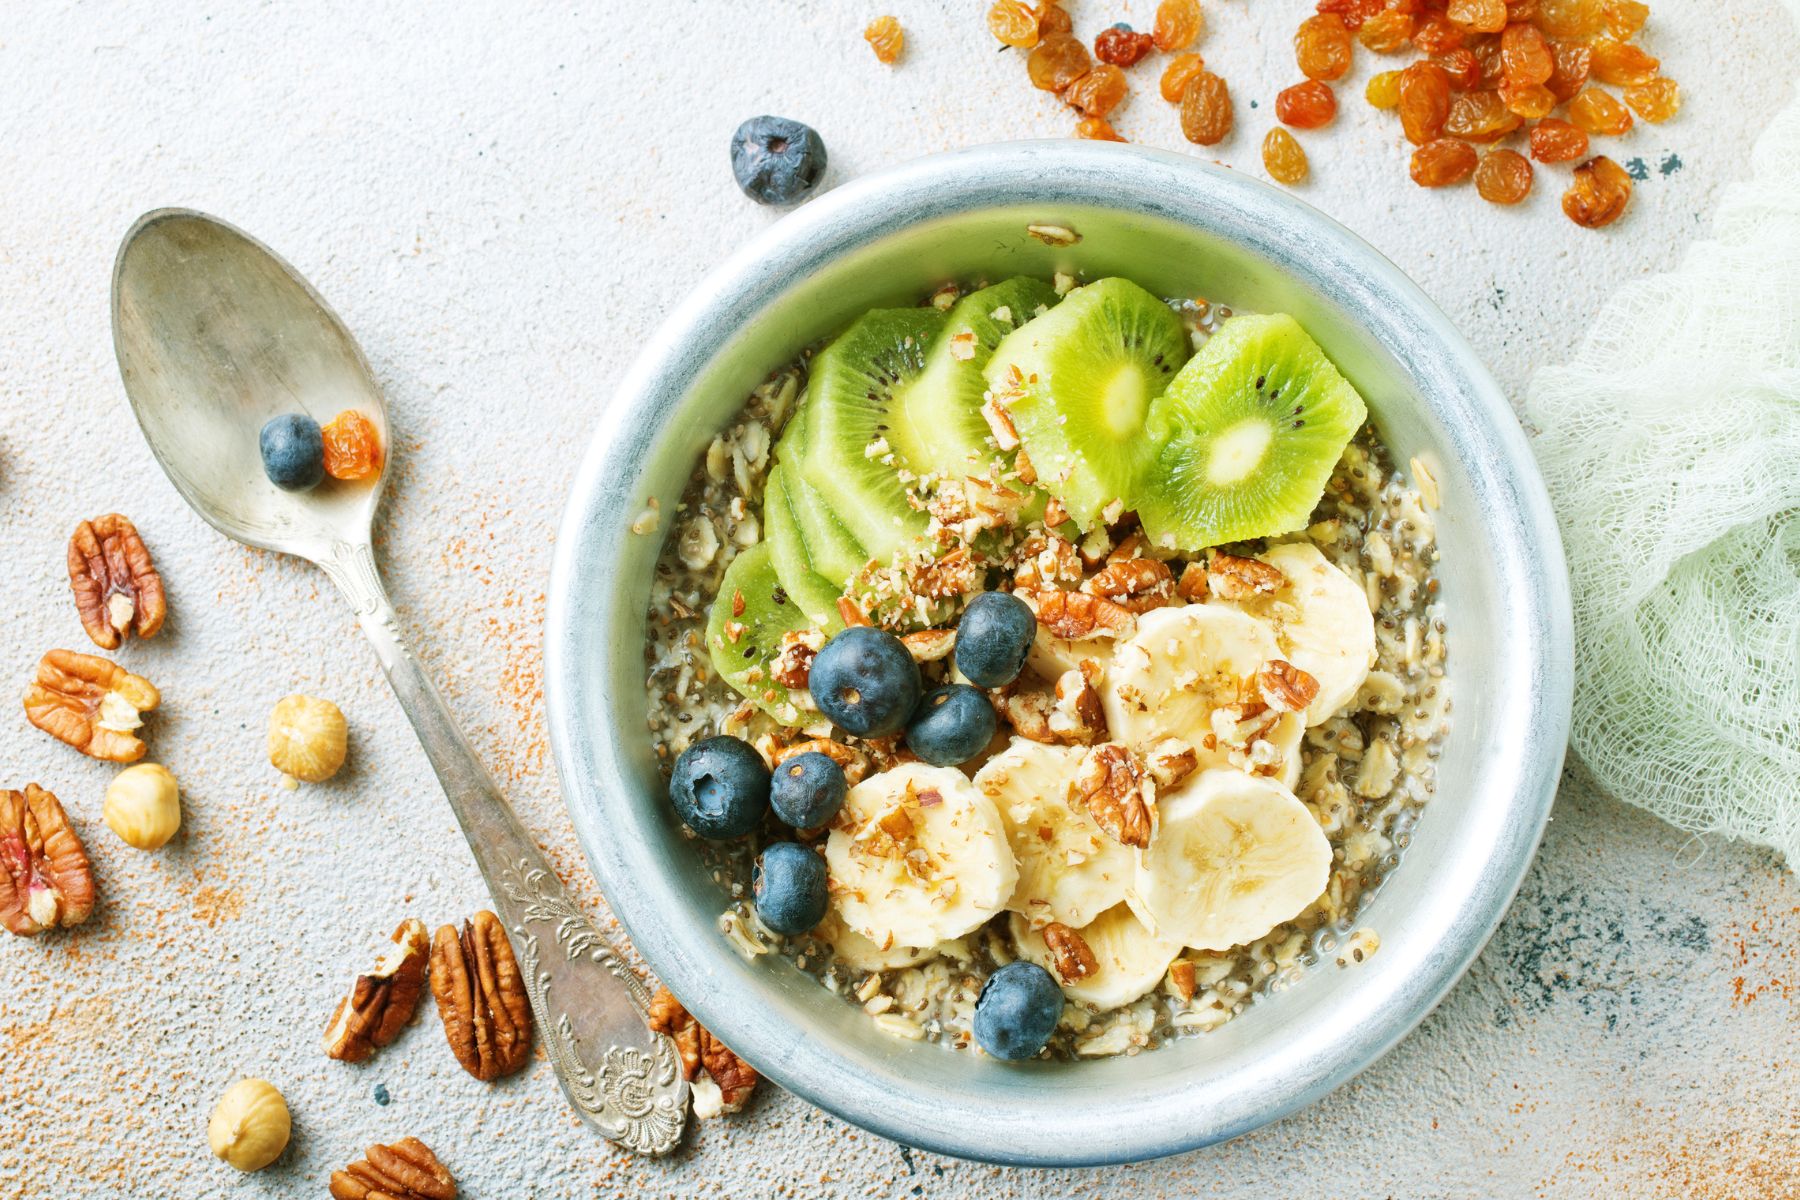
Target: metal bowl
x=1179 y=227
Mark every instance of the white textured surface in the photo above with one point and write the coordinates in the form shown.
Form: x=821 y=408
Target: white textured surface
x=501 y=201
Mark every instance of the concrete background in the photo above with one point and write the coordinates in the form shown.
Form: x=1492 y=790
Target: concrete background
x=502 y=200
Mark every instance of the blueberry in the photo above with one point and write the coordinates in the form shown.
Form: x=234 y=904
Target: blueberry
x=777 y=161
x=293 y=452
x=1017 y=1011
x=993 y=638
x=866 y=682
x=788 y=884
x=808 y=790
x=720 y=788
x=952 y=725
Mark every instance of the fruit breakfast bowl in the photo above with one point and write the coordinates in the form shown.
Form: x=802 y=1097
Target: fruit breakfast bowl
x=1179 y=228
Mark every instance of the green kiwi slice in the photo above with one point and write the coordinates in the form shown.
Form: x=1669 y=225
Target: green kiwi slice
x=1078 y=383
x=833 y=551
x=1246 y=436
x=857 y=382
x=816 y=596
x=768 y=613
x=939 y=430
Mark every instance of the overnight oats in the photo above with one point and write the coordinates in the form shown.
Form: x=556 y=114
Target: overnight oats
x=1050 y=668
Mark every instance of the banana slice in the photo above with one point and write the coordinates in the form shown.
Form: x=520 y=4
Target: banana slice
x=1178 y=671
x=1053 y=657
x=918 y=856
x=1321 y=622
x=1069 y=869
x=859 y=953
x=1129 y=959
x=1233 y=857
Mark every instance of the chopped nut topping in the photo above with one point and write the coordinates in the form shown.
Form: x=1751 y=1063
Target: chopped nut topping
x=1054 y=512
x=1181 y=974
x=851 y=612
x=90 y=704
x=1234 y=578
x=737 y=603
x=1284 y=687
x=792 y=667
x=1022 y=464
x=999 y=422
x=381 y=1003
x=955 y=574
x=963 y=345
x=117 y=591
x=1192 y=586
x=1139 y=584
x=46 y=880
x=700 y=1050
x=1171 y=761
x=1074 y=958
x=1053 y=235
x=854 y=762
x=896 y=824
x=1118 y=793
x=1078 y=718
x=1081 y=615
x=406 y=1170
x=481 y=998
x=1047 y=562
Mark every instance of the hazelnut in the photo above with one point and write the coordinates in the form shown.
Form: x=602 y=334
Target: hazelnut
x=250 y=1127
x=143 y=806
x=307 y=738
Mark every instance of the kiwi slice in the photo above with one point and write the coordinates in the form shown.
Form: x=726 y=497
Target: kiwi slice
x=1246 y=436
x=816 y=596
x=1078 y=384
x=939 y=430
x=768 y=613
x=831 y=549
x=857 y=382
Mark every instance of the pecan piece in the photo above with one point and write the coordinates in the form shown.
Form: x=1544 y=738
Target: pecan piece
x=382 y=1001
x=406 y=1170
x=731 y=1076
x=1077 y=717
x=45 y=877
x=955 y=574
x=1181 y=974
x=1170 y=761
x=117 y=590
x=1074 y=958
x=1081 y=615
x=1192 y=584
x=91 y=704
x=1118 y=794
x=854 y=761
x=1285 y=687
x=481 y=998
x=1233 y=578
x=1047 y=562
x=792 y=667
x=1139 y=584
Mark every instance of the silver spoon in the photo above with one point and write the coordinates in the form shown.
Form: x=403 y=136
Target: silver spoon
x=215 y=335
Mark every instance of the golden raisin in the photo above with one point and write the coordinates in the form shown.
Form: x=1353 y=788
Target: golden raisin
x=1595 y=111
x=1443 y=162
x=352 y=447
x=1521 y=10
x=1387 y=31
x=1598 y=194
x=1096 y=129
x=1098 y=92
x=1655 y=101
x=1052 y=17
x=1525 y=57
x=1569 y=18
x=1305 y=105
x=1530 y=100
x=1487 y=53
x=1480 y=117
x=1424 y=101
x=1482 y=16
x=1175 y=76
x=1554 y=140
x=1624 y=17
x=1058 y=61
x=1504 y=177
x=1178 y=23
x=1573 y=61
x=1118 y=45
x=1014 y=23
x=1434 y=34
x=1621 y=64
x=1356 y=12
x=1463 y=68
x=1383 y=90
x=886 y=38
x=1322 y=47
x=1206 y=109
x=1283 y=158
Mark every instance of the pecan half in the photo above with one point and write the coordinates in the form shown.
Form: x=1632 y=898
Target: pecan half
x=734 y=1078
x=1139 y=584
x=381 y=1002
x=481 y=998
x=1285 y=687
x=117 y=590
x=1234 y=578
x=1074 y=958
x=1118 y=793
x=45 y=878
x=91 y=704
x=406 y=1170
x=1082 y=615
x=854 y=761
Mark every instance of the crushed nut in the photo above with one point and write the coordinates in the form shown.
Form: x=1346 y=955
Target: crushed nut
x=1053 y=235
x=1054 y=512
x=1118 y=794
x=1078 y=718
x=929 y=645
x=1139 y=584
x=963 y=345
x=1077 y=615
x=382 y=1001
x=854 y=762
x=792 y=667
x=1181 y=974
x=1170 y=761
x=117 y=591
x=46 y=880
x=406 y=1170
x=851 y=612
x=1022 y=465
x=999 y=423
x=1284 y=687
x=1074 y=958
x=1047 y=562
x=486 y=1014
x=1234 y=578
x=700 y=1050
x=955 y=574
x=91 y=704
x=1192 y=585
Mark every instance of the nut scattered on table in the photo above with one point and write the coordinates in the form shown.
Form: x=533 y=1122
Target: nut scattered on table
x=406 y=1170
x=143 y=806
x=45 y=878
x=90 y=703
x=250 y=1126
x=381 y=1001
x=481 y=997
x=117 y=590
x=308 y=738
x=728 y=1080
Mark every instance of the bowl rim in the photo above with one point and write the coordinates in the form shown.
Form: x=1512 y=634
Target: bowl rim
x=1131 y=179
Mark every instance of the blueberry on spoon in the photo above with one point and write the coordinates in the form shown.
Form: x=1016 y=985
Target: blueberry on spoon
x=777 y=161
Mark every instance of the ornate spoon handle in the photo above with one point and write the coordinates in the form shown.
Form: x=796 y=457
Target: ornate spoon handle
x=591 y=1008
